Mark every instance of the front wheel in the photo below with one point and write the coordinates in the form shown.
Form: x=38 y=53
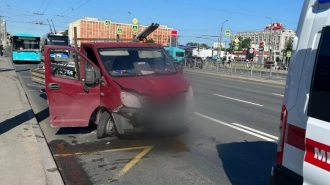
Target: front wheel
x=106 y=126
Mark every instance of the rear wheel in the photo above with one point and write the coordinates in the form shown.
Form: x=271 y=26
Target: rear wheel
x=106 y=126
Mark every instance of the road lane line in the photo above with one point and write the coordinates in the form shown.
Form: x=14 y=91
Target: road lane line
x=129 y=165
x=257 y=131
x=237 y=128
x=277 y=94
x=238 y=100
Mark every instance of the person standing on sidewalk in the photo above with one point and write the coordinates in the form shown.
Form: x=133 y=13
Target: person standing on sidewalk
x=1 y=50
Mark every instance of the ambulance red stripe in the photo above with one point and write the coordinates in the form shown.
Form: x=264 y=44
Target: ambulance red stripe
x=296 y=137
x=317 y=154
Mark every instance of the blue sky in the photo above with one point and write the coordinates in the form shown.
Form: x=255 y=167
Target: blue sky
x=192 y=18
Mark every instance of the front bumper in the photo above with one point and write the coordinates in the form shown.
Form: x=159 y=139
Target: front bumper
x=131 y=121
x=282 y=176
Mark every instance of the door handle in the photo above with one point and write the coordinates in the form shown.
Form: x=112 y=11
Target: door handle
x=54 y=86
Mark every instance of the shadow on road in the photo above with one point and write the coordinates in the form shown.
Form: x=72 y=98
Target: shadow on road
x=13 y=122
x=248 y=163
x=42 y=115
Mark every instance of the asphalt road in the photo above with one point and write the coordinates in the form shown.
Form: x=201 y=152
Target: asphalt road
x=232 y=140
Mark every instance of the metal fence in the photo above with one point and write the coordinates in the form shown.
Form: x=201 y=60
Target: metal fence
x=241 y=68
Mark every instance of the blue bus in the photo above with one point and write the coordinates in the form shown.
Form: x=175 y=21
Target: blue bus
x=25 y=47
x=56 y=40
x=176 y=53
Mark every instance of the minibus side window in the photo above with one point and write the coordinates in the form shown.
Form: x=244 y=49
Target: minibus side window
x=319 y=100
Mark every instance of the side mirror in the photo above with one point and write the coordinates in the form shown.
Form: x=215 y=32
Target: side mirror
x=92 y=76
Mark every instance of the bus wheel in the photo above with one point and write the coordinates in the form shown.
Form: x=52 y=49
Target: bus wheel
x=106 y=126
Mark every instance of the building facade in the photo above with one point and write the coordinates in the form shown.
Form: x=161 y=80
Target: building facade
x=217 y=45
x=3 y=33
x=89 y=27
x=280 y=36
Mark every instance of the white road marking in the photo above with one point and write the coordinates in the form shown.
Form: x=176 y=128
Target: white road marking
x=256 y=131
x=238 y=100
x=246 y=129
x=277 y=94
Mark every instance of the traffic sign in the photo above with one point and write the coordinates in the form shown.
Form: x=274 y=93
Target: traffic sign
x=135 y=21
x=107 y=23
x=236 y=40
x=227 y=32
x=119 y=31
x=135 y=28
x=288 y=54
x=174 y=33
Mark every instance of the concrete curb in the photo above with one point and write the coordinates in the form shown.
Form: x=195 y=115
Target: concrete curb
x=50 y=167
x=238 y=78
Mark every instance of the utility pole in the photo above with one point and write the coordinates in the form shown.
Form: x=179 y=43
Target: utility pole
x=1 y=32
x=220 y=46
x=219 y=53
x=270 y=49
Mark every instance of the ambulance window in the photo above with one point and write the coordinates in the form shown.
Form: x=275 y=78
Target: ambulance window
x=319 y=101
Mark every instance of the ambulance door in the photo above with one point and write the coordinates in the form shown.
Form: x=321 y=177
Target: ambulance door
x=316 y=167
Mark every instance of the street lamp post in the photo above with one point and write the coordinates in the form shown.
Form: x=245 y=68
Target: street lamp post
x=271 y=39
x=219 y=54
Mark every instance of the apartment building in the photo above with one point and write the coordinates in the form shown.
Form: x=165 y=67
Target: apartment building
x=280 y=36
x=89 y=27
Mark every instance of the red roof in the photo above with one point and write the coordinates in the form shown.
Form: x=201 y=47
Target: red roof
x=275 y=26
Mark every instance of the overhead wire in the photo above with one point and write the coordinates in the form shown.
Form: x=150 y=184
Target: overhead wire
x=47 y=6
x=70 y=8
x=41 y=6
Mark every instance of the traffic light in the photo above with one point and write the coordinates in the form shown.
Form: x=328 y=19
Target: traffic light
x=144 y=40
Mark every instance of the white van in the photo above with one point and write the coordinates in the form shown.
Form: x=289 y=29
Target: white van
x=303 y=155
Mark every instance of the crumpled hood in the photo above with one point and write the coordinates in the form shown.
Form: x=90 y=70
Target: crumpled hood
x=154 y=85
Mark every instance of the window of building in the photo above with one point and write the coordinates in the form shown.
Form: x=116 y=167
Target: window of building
x=320 y=85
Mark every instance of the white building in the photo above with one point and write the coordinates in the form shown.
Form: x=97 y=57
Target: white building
x=3 y=32
x=280 y=36
x=217 y=44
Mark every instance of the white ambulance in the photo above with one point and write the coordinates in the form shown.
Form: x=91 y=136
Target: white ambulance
x=303 y=155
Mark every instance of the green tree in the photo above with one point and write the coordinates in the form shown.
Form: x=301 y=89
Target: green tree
x=150 y=41
x=245 y=43
x=288 y=45
x=65 y=33
x=192 y=44
x=203 y=45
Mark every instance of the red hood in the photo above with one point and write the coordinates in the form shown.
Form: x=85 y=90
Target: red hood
x=155 y=85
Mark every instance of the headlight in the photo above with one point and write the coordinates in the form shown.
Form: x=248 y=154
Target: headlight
x=190 y=95
x=130 y=100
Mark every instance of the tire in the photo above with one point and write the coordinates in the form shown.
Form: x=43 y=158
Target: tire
x=106 y=126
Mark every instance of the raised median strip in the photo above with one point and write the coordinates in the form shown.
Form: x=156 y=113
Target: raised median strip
x=236 y=77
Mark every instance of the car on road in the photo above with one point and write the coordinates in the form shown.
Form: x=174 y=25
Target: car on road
x=125 y=88
x=269 y=64
x=281 y=66
x=194 y=61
